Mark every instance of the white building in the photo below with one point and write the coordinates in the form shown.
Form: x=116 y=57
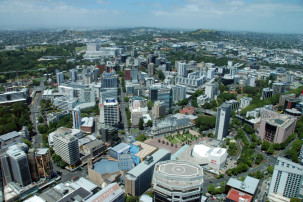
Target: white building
x=64 y=131
x=210 y=73
x=109 y=112
x=211 y=90
x=287 y=178
x=66 y=102
x=108 y=93
x=179 y=92
x=215 y=158
x=138 y=108
x=202 y=99
x=251 y=81
x=60 y=77
x=222 y=122
x=67 y=147
x=182 y=69
x=245 y=101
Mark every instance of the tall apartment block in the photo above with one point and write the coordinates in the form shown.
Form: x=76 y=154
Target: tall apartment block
x=266 y=93
x=222 y=122
x=211 y=90
x=109 y=112
x=182 y=69
x=66 y=146
x=60 y=77
x=286 y=179
x=76 y=118
x=159 y=109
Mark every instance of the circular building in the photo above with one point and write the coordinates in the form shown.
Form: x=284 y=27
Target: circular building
x=177 y=181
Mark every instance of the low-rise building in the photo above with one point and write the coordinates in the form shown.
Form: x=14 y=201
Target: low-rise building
x=110 y=193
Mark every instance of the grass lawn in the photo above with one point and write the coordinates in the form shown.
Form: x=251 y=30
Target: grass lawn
x=80 y=48
x=190 y=136
x=135 y=130
x=172 y=140
x=36 y=48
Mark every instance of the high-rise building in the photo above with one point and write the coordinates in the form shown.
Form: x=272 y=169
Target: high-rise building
x=60 y=77
x=127 y=74
x=73 y=74
x=182 y=69
x=106 y=93
x=66 y=146
x=245 y=101
x=87 y=95
x=109 y=112
x=109 y=80
x=134 y=74
x=44 y=163
x=210 y=73
x=92 y=47
x=276 y=127
x=108 y=133
x=211 y=90
x=159 y=109
x=287 y=178
x=178 y=92
x=251 y=81
x=163 y=94
x=222 y=122
x=32 y=164
x=177 y=181
x=151 y=69
x=139 y=179
x=18 y=166
x=266 y=93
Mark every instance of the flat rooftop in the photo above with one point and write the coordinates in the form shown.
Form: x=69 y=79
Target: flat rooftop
x=179 y=168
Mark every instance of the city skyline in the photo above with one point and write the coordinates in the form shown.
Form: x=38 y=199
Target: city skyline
x=237 y=15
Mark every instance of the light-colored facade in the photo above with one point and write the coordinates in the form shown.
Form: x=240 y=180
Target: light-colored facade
x=222 y=122
x=60 y=78
x=179 y=92
x=251 y=81
x=245 y=102
x=182 y=69
x=177 y=181
x=193 y=80
x=66 y=102
x=202 y=99
x=234 y=104
x=139 y=179
x=276 y=127
x=108 y=93
x=211 y=90
x=109 y=112
x=266 y=93
x=210 y=73
x=159 y=109
x=66 y=146
x=286 y=179
x=278 y=88
x=151 y=69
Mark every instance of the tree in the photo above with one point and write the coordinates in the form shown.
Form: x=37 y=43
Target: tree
x=141 y=124
x=141 y=138
x=40 y=119
x=27 y=142
x=126 y=99
x=270 y=169
x=149 y=123
x=161 y=75
x=43 y=128
x=150 y=104
x=211 y=189
x=259 y=158
x=265 y=145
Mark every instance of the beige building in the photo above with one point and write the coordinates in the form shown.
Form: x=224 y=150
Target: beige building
x=159 y=109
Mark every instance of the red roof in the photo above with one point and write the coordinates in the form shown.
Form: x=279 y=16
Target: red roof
x=234 y=195
x=187 y=110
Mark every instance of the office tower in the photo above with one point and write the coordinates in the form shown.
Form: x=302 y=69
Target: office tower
x=278 y=88
x=19 y=168
x=109 y=80
x=289 y=104
x=159 y=109
x=96 y=74
x=44 y=163
x=138 y=180
x=276 y=127
x=178 y=92
x=177 y=181
x=127 y=74
x=76 y=118
x=66 y=146
x=134 y=75
x=60 y=78
x=151 y=69
x=32 y=164
x=134 y=53
x=211 y=90
x=222 y=122
x=234 y=104
x=73 y=74
x=210 y=73
x=266 y=93
x=109 y=112
x=108 y=133
x=162 y=94
x=182 y=69
x=286 y=179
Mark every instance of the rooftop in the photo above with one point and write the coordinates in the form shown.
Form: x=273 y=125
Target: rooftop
x=8 y=136
x=109 y=193
x=120 y=147
x=249 y=185
x=235 y=195
x=144 y=149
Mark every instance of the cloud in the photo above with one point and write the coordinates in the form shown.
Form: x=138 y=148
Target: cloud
x=102 y=2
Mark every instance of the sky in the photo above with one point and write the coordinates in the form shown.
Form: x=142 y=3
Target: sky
x=275 y=16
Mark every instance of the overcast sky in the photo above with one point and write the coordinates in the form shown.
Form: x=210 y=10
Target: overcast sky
x=282 y=16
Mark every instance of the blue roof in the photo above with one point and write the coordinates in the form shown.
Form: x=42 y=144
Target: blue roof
x=106 y=166
x=180 y=151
